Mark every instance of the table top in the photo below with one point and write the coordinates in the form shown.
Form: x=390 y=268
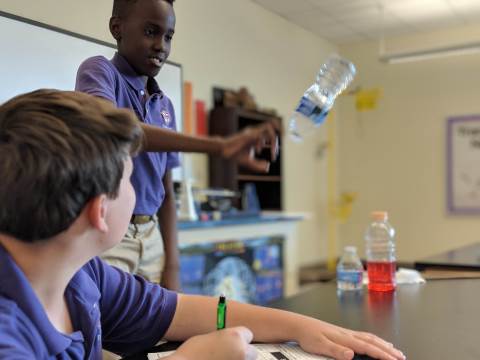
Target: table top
x=464 y=258
x=436 y=320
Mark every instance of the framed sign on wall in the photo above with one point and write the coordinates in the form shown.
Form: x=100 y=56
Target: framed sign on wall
x=463 y=164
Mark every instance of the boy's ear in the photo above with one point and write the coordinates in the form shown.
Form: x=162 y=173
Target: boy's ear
x=97 y=213
x=114 y=26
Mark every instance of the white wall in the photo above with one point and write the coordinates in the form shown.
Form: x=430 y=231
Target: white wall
x=231 y=43
x=394 y=156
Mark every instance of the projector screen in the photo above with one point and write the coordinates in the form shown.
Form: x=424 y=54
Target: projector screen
x=36 y=55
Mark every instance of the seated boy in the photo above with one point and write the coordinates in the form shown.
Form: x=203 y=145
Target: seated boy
x=66 y=197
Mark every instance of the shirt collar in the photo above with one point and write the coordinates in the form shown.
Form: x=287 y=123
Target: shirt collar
x=16 y=287
x=131 y=76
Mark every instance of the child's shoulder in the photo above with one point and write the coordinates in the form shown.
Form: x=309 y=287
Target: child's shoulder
x=98 y=60
x=19 y=335
x=96 y=71
x=12 y=318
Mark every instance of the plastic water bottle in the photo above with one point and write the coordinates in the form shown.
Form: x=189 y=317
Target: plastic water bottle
x=349 y=270
x=380 y=247
x=332 y=78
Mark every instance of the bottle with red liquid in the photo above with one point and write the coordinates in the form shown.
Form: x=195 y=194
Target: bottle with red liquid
x=380 y=248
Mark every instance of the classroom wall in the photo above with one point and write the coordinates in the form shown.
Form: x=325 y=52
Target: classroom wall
x=394 y=156
x=231 y=44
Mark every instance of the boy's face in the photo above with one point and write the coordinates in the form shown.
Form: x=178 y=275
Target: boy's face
x=144 y=35
x=120 y=209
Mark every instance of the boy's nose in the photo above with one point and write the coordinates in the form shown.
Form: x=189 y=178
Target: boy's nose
x=161 y=45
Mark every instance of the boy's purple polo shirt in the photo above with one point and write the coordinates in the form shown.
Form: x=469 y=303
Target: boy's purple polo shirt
x=125 y=312
x=118 y=82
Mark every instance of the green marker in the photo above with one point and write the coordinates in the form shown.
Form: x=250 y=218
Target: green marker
x=221 y=312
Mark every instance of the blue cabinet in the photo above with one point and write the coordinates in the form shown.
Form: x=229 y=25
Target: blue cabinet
x=246 y=270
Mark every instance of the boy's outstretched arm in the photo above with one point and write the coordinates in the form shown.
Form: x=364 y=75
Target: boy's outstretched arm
x=197 y=315
x=239 y=147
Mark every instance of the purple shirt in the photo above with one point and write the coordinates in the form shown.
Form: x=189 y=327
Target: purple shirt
x=125 y=312
x=116 y=81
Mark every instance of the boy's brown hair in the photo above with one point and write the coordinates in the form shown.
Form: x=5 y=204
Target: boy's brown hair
x=58 y=150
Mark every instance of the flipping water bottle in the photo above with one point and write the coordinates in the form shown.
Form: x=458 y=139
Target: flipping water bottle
x=380 y=246
x=332 y=78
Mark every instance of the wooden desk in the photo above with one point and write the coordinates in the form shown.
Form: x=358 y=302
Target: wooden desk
x=432 y=321
x=466 y=258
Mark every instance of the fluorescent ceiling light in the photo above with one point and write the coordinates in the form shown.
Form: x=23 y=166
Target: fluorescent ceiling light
x=418 y=55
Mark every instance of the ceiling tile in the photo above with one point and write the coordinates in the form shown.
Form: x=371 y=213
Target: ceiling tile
x=337 y=6
x=285 y=6
x=313 y=18
x=350 y=20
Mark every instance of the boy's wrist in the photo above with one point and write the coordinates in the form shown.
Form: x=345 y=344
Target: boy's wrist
x=218 y=145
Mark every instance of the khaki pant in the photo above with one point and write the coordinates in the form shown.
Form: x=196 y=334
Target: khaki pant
x=140 y=251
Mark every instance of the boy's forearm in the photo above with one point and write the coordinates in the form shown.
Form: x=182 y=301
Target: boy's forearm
x=167 y=219
x=267 y=324
x=158 y=139
x=167 y=222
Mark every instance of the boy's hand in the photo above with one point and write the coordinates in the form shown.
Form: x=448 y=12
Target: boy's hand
x=242 y=146
x=232 y=343
x=322 y=338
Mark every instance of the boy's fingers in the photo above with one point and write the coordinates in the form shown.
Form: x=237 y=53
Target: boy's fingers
x=247 y=336
x=256 y=165
x=371 y=349
x=381 y=344
x=249 y=161
x=271 y=136
x=336 y=351
x=244 y=332
x=259 y=146
x=276 y=126
x=275 y=148
x=251 y=353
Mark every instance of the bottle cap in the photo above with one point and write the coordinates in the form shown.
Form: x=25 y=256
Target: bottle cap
x=350 y=249
x=379 y=215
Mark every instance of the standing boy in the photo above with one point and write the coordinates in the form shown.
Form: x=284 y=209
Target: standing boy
x=143 y=30
x=66 y=197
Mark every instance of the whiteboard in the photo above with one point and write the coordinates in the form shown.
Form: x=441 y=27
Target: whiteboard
x=463 y=165
x=36 y=55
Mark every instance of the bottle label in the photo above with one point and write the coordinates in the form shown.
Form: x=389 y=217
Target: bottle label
x=352 y=277
x=310 y=110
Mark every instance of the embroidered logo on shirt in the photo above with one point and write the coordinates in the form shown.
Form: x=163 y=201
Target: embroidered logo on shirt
x=166 y=116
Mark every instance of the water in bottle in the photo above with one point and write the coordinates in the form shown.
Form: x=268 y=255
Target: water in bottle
x=349 y=270
x=332 y=78
x=380 y=247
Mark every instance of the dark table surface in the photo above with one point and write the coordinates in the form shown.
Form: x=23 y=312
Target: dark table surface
x=432 y=321
x=464 y=258
x=439 y=320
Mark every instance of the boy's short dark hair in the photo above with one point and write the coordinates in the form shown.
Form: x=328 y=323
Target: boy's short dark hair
x=59 y=150
x=120 y=7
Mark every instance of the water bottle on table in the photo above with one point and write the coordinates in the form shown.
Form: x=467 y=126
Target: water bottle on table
x=349 y=270
x=380 y=248
x=332 y=78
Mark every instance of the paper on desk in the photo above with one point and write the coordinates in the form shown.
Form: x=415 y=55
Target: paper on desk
x=284 y=352
x=402 y=276
x=266 y=352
